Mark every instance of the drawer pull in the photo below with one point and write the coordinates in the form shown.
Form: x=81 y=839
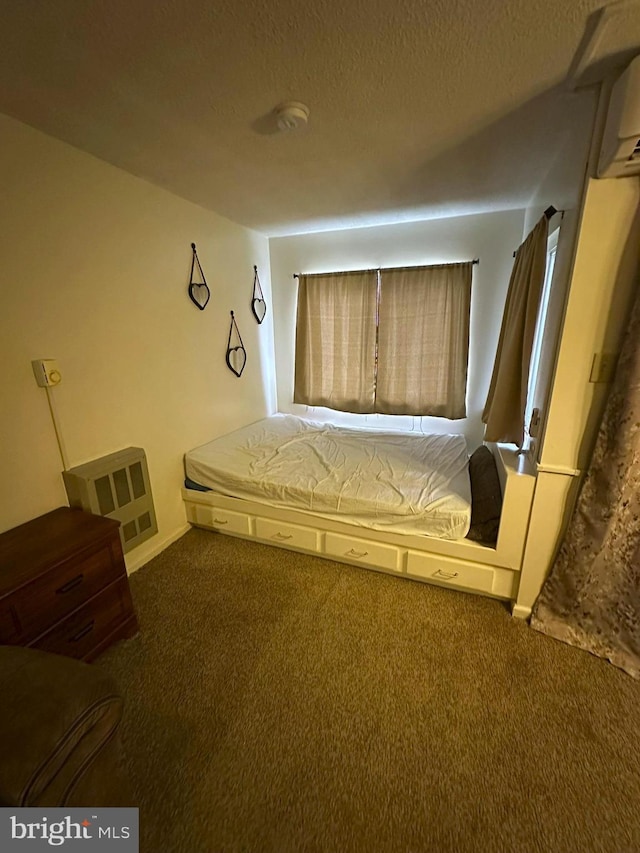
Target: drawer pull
x=220 y=521
x=82 y=632
x=358 y=554
x=282 y=536
x=448 y=575
x=69 y=585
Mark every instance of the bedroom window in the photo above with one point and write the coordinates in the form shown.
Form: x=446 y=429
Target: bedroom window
x=538 y=340
x=390 y=341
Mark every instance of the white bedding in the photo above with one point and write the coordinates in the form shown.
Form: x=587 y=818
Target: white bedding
x=385 y=481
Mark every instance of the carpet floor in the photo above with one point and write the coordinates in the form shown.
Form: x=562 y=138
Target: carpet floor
x=280 y=702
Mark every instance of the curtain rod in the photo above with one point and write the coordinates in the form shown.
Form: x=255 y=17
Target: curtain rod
x=387 y=269
x=551 y=211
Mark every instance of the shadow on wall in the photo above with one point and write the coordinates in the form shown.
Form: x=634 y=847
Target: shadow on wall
x=547 y=136
x=551 y=132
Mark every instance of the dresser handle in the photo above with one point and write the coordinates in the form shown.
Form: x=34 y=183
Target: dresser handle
x=82 y=633
x=353 y=553
x=448 y=575
x=69 y=585
x=282 y=536
x=220 y=521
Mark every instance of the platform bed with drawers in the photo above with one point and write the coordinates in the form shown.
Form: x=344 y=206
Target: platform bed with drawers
x=246 y=494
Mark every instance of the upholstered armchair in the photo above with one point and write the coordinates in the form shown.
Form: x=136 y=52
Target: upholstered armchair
x=59 y=741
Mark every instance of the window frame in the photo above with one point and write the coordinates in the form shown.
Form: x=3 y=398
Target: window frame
x=538 y=337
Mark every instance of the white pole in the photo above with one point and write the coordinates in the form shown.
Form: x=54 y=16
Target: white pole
x=56 y=426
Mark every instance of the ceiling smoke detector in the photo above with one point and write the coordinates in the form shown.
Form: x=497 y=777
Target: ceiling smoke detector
x=292 y=115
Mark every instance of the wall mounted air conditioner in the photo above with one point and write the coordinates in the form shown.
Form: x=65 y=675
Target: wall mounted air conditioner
x=620 y=151
x=116 y=486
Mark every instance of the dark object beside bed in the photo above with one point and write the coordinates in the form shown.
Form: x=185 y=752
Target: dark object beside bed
x=191 y=484
x=486 y=497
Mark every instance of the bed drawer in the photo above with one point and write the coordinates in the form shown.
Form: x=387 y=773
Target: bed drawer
x=223 y=520
x=283 y=533
x=450 y=572
x=361 y=551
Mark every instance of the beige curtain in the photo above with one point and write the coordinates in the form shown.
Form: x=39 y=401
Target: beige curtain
x=504 y=410
x=423 y=340
x=336 y=341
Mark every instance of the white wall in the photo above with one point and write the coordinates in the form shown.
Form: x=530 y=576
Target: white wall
x=94 y=273
x=492 y=237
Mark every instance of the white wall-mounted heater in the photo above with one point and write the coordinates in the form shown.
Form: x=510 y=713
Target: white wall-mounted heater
x=620 y=150
x=117 y=486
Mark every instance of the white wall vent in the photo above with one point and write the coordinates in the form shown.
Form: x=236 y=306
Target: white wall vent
x=117 y=486
x=620 y=151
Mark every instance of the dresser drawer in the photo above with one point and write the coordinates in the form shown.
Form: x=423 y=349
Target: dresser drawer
x=361 y=551
x=78 y=634
x=287 y=534
x=9 y=628
x=50 y=597
x=449 y=572
x=224 y=520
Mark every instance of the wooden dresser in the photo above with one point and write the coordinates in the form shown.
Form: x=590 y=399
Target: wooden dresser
x=64 y=586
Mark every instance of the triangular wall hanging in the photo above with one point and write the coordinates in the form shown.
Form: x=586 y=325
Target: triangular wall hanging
x=258 y=305
x=199 y=293
x=236 y=355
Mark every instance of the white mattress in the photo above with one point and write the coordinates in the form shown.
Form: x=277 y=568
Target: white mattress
x=385 y=481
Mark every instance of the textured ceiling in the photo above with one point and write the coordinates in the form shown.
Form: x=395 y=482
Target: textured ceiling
x=418 y=108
